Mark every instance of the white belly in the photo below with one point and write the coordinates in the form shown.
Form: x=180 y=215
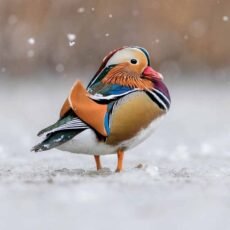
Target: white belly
x=87 y=143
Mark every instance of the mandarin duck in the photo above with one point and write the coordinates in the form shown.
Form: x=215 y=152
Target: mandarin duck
x=118 y=109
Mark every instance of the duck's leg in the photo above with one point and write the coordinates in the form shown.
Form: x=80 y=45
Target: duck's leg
x=120 y=157
x=98 y=162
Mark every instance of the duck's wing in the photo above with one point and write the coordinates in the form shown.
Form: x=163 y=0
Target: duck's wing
x=60 y=132
x=70 y=121
x=106 y=93
x=94 y=106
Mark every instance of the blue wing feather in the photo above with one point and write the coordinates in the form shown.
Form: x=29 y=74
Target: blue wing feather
x=105 y=93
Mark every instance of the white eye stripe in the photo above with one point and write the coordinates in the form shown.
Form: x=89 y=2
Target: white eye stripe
x=124 y=55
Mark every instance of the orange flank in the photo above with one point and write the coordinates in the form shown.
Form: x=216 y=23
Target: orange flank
x=65 y=108
x=85 y=108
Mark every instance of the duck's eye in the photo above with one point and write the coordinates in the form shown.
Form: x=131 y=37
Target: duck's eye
x=133 y=61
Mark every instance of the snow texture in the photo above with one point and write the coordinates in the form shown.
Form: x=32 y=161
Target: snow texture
x=178 y=179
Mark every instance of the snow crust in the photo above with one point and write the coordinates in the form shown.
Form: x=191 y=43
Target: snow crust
x=177 y=179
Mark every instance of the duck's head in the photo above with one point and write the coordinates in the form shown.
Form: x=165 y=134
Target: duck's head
x=128 y=66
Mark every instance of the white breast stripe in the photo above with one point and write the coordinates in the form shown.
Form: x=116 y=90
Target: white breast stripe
x=162 y=95
x=99 y=97
x=159 y=100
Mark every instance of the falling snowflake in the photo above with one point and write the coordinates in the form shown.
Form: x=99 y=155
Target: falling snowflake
x=71 y=38
x=157 y=40
x=107 y=34
x=110 y=15
x=31 y=41
x=92 y=9
x=72 y=43
x=81 y=10
x=225 y=18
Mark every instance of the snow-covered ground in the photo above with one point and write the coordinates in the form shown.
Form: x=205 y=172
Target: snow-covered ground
x=184 y=182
